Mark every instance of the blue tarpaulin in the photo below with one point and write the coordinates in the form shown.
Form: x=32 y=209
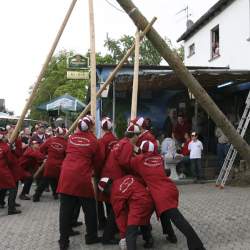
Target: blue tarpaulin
x=64 y=103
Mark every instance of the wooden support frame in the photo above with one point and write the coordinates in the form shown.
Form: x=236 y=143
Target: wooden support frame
x=42 y=72
x=188 y=80
x=136 y=76
x=111 y=76
x=92 y=60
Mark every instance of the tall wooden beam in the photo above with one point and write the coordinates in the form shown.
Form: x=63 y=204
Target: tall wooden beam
x=111 y=76
x=92 y=59
x=42 y=72
x=136 y=76
x=188 y=80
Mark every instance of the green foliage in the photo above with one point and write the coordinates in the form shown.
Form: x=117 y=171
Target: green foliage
x=55 y=83
x=121 y=125
x=117 y=48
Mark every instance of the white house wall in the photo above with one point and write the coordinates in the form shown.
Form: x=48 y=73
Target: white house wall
x=234 y=28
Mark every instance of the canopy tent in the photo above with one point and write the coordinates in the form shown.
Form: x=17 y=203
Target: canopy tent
x=64 y=103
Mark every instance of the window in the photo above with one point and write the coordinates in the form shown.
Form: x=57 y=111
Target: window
x=191 y=50
x=215 y=42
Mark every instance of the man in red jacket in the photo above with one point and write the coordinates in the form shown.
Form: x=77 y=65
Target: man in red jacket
x=150 y=167
x=55 y=149
x=30 y=161
x=116 y=166
x=133 y=207
x=75 y=183
x=145 y=125
x=105 y=144
x=7 y=180
x=118 y=162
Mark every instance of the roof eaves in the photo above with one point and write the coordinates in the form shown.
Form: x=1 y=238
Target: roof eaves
x=210 y=14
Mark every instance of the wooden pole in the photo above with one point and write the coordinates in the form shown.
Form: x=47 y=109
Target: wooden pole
x=92 y=59
x=188 y=80
x=42 y=72
x=111 y=77
x=136 y=76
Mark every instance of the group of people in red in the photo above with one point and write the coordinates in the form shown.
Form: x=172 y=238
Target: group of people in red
x=21 y=160
x=131 y=181
x=126 y=175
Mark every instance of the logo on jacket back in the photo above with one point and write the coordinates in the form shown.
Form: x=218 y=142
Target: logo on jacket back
x=126 y=184
x=153 y=162
x=112 y=144
x=57 y=146
x=79 y=141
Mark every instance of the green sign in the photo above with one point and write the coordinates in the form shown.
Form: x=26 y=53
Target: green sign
x=78 y=62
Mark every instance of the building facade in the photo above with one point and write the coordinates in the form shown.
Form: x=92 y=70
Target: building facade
x=221 y=37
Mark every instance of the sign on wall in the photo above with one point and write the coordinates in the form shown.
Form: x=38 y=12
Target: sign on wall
x=78 y=62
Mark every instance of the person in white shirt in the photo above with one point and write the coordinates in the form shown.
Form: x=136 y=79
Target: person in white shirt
x=168 y=146
x=195 y=147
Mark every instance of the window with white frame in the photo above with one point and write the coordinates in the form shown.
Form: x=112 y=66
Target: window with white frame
x=191 y=50
x=215 y=42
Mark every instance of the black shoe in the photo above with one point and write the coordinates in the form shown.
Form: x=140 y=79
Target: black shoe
x=24 y=197
x=93 y=240
x=172 y=239
x=149 y=243
x=77 y=224
x=63 y=245
x=73 y=233
x=36 y=198
x=17 y=205
x=110 y=242
x=15 y=211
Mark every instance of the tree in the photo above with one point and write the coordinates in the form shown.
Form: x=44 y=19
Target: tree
x=55 y=83
x=117 y=48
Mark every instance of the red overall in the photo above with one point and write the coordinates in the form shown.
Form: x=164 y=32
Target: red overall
x=150 y=167
x=7 y=180
x=78 y=166
x=55 y=148
x=131 y=202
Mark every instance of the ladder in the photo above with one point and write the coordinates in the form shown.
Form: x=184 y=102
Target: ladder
x=232 y=152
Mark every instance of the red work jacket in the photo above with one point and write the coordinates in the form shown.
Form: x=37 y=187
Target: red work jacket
x=55 y=148
x=118 y=162
x=147 y=136
x=17 y=152
x=30 y=161
x=164 y=192
x=131 y=202
x=7 y=180
x=105 y=144
x=78 y=166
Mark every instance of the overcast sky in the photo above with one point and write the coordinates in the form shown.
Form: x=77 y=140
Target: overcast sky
x=28 y=28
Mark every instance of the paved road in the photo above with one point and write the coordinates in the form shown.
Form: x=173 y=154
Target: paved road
x=221 y=218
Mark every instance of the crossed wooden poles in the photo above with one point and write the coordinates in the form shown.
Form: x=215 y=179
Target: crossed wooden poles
x=173 y=60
